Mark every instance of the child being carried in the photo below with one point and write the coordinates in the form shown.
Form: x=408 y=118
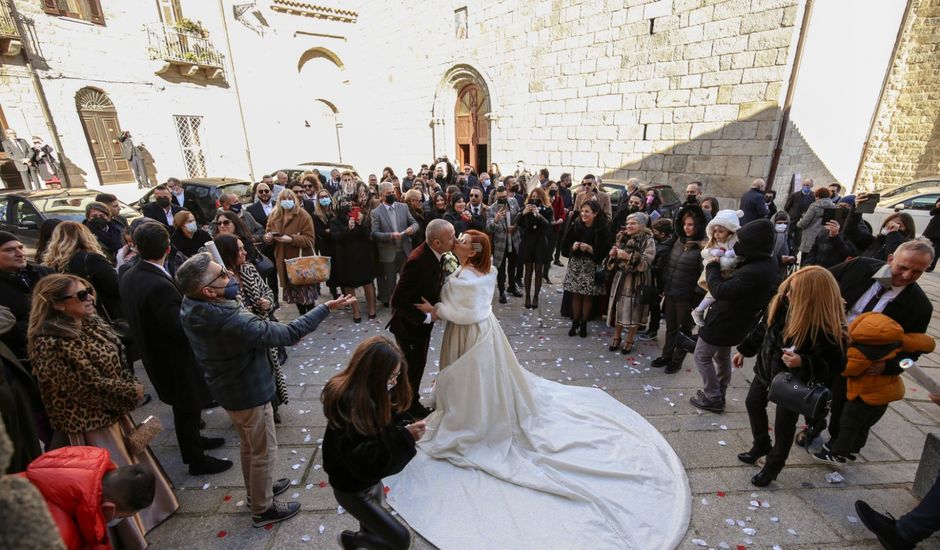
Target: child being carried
x=722 y=232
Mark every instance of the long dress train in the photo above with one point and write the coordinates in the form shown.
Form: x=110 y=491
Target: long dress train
x=511 y=460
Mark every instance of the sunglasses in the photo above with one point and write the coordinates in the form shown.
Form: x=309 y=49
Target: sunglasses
x=224 y=222
x=308 y=185
x=264 y=192
x=82 y=296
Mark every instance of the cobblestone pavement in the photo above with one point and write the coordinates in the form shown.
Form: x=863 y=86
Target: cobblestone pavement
x=805 y=511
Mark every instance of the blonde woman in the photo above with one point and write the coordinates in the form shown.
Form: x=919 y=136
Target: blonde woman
x=74 y=249
x=629 y=260
x=87 y=389
x=803 y=332
x=290 y=230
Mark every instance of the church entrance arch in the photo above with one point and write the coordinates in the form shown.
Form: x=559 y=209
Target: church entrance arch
x=462 y=121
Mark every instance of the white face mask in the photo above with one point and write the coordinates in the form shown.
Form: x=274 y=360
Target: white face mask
x=885 y=231
x=191 y=227
x=781 y=227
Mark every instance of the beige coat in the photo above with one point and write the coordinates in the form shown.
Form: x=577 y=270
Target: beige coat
x=299 y=226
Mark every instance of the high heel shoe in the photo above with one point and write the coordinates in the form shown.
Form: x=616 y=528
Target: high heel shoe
x=535 y=303
x=764 y=477
x=528 y=302
x=372 y=316
x=357 y=319
x=583 y=332
x=627 y=347
x=614 y=344
x=750 y=457
x=574 y=328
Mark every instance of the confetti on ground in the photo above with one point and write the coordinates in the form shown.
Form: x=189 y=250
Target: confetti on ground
x=792 y=532
x=852 y=519
x=206 y=486
x=321 y=529
x=221 y=534
x=339 y=510
x=699 y=542
x=834 y=477
x=774 y=519
x=749 y=531
x=240 y=503
x=305 y=538
x=723 y=443
x=227 y=498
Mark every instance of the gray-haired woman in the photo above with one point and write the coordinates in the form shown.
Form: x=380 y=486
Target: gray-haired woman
x=629 y=259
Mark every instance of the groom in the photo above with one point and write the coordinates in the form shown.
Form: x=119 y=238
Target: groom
x=421 y=277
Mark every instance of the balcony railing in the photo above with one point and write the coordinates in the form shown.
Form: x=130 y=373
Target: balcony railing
x=185 y=49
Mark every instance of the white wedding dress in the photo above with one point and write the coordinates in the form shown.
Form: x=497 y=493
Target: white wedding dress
x=511 y=460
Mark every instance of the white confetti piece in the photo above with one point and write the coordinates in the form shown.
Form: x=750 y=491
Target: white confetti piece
x=340 y=510
x=240 y=503
x=834 y=477
x=774 y=519
x=729 y=522
x=305 y=538
x=723 y=427
x=699 y=542
x=723 y=443
x=206 y=486
x=852 y=519
x=704 y=502
x=749 y=531
x=321 y=529
x=295 y=466
x=309 y=486
x=777 y=547
x=295 y=495
x=792 y=532
x=724 y=545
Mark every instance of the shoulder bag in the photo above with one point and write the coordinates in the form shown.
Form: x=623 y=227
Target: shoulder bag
x=811 y=399
x=307 y=270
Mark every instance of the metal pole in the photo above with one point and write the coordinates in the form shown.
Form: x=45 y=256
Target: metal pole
x=238 y=96
x=40 y=93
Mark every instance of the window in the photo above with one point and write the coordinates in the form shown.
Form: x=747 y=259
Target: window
x=189 y=130
x=923 y=202
x=169 y=11
x=87 y=10
x=26 y=215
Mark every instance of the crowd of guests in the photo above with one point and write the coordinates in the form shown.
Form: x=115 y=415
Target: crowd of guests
x=103 y=293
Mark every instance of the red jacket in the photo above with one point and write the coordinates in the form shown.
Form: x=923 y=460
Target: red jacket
x=70 y=480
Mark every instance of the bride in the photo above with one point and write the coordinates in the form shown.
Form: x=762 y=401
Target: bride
x=511 y=460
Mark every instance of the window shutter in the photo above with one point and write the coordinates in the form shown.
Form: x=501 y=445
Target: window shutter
x=51 y=7
x=95 y=14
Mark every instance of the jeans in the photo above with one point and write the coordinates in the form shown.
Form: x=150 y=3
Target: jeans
x=508 y=263
x=785 y=422
x=714 y=365
x=377 y=528
x=140 y=170
x=924 y=519
x=678 y=316
x=656 y=314
x=255 y=427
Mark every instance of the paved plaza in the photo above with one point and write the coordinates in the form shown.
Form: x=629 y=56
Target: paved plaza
x=801 y=510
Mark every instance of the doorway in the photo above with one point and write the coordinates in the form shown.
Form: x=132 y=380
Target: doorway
x=472 y=128
x=103 y=130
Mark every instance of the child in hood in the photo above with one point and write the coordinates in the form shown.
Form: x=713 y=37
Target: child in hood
x=875 y=337
x=722 y=236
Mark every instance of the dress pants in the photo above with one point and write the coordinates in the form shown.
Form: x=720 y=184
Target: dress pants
x=186 y=423
x=924 y=519
x=714 y=366
x=255 y=428
x=31 y=179
x=678 y=316
x=140 y=170
x=508 y=264
x=388 y=275
x=377 y=527
x=784 y=424
x=415 y=349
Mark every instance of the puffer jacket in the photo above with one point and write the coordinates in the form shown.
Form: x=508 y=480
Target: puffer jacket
x=683 y=266
x=811 y=223
x=741 y=297
x=232 y=346
x=819 y=360
x=70 y=481
x=877 y=337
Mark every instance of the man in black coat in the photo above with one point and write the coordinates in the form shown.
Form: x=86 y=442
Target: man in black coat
x=152 y=305
x=753 y=203
x=162 y=208
x=890 y=288
x=17 y=279
x=739 y=300
x=421 y=278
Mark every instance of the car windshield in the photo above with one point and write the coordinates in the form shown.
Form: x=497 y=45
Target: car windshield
x=71 y=208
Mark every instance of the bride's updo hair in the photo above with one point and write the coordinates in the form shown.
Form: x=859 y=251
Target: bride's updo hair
x=483 y=251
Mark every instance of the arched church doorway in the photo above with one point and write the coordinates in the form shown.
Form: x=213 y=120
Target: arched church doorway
x=103 y=130
x=472 y=127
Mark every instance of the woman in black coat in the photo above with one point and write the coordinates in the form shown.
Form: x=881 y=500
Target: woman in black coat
x=932 y=232
x=803 y=333
x=457 y=214
x=353 y=263
x=535 y=221
x=586 y=244
x=681 y=291
x=896 y=229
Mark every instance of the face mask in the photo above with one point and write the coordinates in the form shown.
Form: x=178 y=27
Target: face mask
x=552 y=193
x=806 y=190
x=98 y=223
x=237 y=207
x=502 y=201
x=191 y=227
x=691 y=198
x=287 y=204
x=231 y=289
x=326 y=201
x=708 y=215
x=389 y=199
x=780 y=227
x=634 y=208
x=163 y=202
x=649 y=199
x=7 y=320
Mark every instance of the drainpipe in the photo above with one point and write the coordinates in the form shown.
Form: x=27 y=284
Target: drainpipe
x=788 y=101
x=238 y=96
x=40 y=93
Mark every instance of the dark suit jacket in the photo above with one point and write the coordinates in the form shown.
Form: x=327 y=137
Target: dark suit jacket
x=152 y=306
x=257 y=212
x=421 y=277
x=15 y=294
x=97 y=270
x=153 y=211
x=911 y=308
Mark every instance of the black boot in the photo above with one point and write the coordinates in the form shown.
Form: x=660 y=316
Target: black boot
x=757 y=451
x=502 y=297
x=583 y=332
x=574 y=327
x=765 y=476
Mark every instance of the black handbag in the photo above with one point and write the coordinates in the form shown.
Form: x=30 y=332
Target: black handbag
x=601 y=274
x=686 y=342
x=645 y=295
x=263 y=264
x=809 y=399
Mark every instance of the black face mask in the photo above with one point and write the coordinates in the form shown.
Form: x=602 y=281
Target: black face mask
x=98 y=223
x=163 y=202
x=691 y=198
x=502 y=200
x=389 y=199
x=633 y=208
x=516 y=189
x=552 y=193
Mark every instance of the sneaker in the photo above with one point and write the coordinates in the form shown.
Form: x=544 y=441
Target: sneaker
x=698 y=317
x=827 y=456
x=884 y=527
x=346 y=540
x=707 y=405
x=209 y=465
x=276 y=513
x=647 y=336
x=279 y=487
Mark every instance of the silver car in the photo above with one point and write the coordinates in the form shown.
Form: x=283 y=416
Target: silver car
x=918 y=202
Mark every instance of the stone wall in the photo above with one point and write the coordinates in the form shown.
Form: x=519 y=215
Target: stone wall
x=666 y=91
x=905 y=139
x=798 y=157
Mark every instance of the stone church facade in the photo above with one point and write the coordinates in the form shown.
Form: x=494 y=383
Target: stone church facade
x=669 y=91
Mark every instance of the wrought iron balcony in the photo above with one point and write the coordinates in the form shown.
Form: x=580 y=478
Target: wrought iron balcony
x=189 y=52
x=10 y=43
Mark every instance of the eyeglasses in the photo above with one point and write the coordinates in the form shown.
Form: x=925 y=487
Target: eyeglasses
x=224 y=222
x=82 y=296
x=223 y=273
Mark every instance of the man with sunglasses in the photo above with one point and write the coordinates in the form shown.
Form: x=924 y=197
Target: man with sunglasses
x=231 y=344
x=263 y=205
x=229 y=202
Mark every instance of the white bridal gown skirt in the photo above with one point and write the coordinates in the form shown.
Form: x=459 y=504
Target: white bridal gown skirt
x=511 y=460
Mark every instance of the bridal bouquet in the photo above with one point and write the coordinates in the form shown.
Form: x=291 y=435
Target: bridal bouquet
x=450 y=263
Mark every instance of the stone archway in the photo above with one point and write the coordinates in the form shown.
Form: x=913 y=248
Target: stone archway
x=460 y=131
x=103 y=131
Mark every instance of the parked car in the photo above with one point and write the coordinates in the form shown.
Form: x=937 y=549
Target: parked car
x=917 y=202
x=908 y=187
x=616 y=188
x=294 y=172
x=22 y=212
x=202 y=196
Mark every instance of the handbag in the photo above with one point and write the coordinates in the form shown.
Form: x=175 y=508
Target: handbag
x=809 y=399
x=307 y=270
x=601 y=274
x=686 y=342
x=263 y=264
x=140 y=437
x=645 y=295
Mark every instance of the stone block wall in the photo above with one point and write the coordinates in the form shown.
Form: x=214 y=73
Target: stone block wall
x=905 y=139
x=798 y=157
